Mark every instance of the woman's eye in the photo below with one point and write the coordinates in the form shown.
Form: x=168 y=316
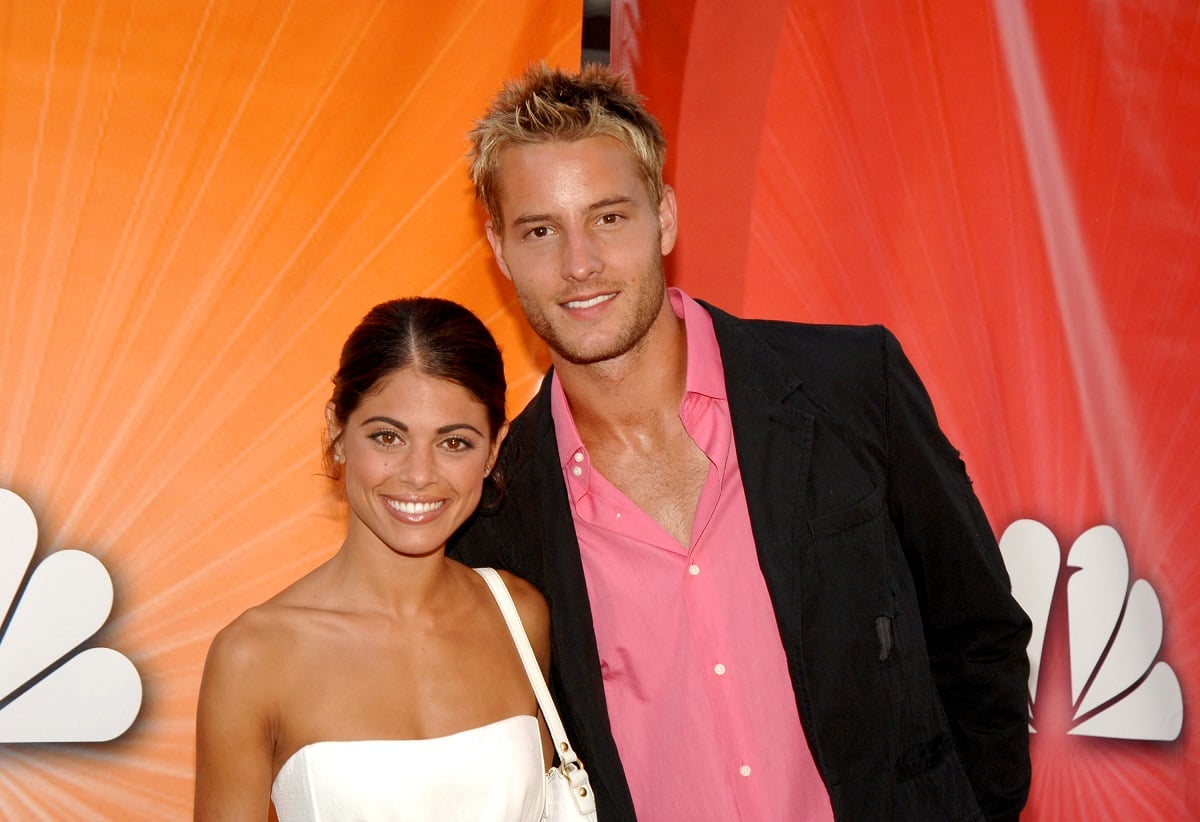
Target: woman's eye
x=458 y=444
x=386 y=438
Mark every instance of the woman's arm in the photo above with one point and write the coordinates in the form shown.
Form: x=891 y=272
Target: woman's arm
x=235 y=732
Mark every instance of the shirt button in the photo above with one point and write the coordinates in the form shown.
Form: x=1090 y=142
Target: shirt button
x=578 y=456
x=576 y=470
x=719 y=669
x=693 y=569
x=744 y=770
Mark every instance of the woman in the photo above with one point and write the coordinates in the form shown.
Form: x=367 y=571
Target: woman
x=384 y=684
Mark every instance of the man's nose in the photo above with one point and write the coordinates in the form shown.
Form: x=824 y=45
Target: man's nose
x=583 y=256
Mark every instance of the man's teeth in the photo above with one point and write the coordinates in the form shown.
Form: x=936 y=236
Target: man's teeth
x=415 y=507
x=591 y=302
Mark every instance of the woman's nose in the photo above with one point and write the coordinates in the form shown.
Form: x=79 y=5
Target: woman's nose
x=418 y=468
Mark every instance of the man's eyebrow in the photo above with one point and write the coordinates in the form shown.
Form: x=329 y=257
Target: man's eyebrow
x=607 y=202
x=610 y=201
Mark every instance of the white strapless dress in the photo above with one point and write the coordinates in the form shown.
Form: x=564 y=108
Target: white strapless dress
x=493 y=773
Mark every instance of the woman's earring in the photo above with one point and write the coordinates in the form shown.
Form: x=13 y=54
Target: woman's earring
x=338 y=458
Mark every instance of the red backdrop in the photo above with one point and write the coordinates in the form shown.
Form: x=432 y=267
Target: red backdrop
x=1014 y=188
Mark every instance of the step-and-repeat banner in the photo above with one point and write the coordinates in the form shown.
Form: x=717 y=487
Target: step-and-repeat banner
x=1014 y=188
x=198 y=201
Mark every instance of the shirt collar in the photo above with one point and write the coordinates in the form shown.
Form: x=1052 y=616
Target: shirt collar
x=569 y=441
x=705 y=374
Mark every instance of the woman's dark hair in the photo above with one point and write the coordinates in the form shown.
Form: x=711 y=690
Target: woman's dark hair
x=435 y=337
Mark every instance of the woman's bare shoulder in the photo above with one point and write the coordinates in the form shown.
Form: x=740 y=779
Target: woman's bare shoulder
x=535 y=614
x=531 y=605
x=253 y=639
x=525 y=595
x=265 y=632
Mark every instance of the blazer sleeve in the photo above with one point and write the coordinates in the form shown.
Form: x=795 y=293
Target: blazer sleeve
x=976 y=633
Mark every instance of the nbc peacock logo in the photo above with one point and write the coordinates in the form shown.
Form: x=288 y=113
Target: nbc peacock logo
x=51 y=688
x=1120 y=689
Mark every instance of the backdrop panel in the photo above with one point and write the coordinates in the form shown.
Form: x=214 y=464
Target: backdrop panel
x=1014 y=188
x=197 y=203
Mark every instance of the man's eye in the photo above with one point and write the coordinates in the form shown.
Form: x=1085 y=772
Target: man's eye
x=610 y=219
x=540 y=232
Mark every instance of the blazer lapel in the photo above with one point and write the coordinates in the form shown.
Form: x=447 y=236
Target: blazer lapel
x=773 y=434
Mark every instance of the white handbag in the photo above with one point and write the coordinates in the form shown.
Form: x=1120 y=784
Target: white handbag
x=569 y=795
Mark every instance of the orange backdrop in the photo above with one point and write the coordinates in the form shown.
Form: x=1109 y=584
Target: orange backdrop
x=197 y=203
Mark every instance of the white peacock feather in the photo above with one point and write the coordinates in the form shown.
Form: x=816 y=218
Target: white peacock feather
x=1118 y=689
x=92 y=696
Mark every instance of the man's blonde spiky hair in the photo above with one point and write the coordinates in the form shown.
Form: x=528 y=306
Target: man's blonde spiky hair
x=550 y=105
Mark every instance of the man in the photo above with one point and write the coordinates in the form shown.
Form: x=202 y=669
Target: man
x=774 y=595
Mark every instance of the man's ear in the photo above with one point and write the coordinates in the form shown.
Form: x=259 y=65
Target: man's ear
x=667 y=220
x=497 y=244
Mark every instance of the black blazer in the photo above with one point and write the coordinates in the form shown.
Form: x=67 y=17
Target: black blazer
x=905 y=647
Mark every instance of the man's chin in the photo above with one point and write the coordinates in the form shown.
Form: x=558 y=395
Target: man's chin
x=594 y=352
x=575 y=356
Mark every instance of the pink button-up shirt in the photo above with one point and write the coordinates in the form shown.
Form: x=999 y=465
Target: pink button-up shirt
x=699 y=696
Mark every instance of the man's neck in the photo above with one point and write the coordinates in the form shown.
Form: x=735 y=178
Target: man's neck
x=638 y=389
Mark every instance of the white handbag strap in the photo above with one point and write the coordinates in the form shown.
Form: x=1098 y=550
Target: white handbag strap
x=562 y=748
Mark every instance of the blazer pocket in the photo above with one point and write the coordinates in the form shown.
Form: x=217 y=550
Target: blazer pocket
x=931 y=784
x=848 y=518
x=844 y=588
